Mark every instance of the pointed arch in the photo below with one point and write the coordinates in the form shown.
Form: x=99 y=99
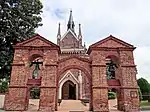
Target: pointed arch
x=64 y=80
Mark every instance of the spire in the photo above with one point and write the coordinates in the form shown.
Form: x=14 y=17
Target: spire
x=80 y=34
x=59 y=33
x=84 y=45
x=70 y=24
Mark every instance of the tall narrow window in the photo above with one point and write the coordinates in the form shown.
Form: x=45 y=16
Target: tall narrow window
x=110 y=69
x=36 y=63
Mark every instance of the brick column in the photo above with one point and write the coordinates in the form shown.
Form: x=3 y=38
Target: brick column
x=99 y=89
x=48 y=89
x=119 y=99
x=129 y=87
x=15 y=99
x=129 y=90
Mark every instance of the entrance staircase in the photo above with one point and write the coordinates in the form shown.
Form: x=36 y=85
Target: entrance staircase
x=77 y=106
x=72 y=106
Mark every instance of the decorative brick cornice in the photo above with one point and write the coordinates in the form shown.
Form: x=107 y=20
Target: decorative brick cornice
x=37 y=48
x=96 y=65
x=75 y=56
x=117 y=87
x=123 y=87
x=128 y=65
x=47 y=86
x=100 y=87
x=17 y=86
x=113 y=82
x=109 y=49
x=18 y=64
x=51 y=65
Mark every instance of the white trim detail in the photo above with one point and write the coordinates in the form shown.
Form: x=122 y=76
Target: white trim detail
x=76 y=49
x=80 y=84
x=66 y=77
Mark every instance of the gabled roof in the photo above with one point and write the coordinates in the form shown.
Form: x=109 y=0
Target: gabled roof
x=121 y=42
x=38 y=41
x=68 y=75
x=67 y=33
x=111 y=42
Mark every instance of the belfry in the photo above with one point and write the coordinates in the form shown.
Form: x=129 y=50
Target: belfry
x=68 y=70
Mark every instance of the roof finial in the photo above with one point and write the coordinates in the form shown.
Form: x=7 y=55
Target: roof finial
x=70 y=24
x=80 y=34
x=59 y=33
x=84 y=45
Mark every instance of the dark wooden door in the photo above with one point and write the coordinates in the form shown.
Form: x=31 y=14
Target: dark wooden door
x=69 y=90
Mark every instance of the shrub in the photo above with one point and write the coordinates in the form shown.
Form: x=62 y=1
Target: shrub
x=59 y=101
x=111 y=95
x=3 y=85
x=35 y=93
x=85 y=100
x=145 y=88
x=140 y=95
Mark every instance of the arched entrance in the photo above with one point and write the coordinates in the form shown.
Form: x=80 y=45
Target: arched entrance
x=64 y=88
x=69 y=90
x=74 y=81
x=81 y=80
x=73 y=89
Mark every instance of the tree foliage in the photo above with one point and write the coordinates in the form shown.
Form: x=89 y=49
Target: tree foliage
x=111 y=95
x=144 y=87
x=3 y=85
x=18 y=21
x=140 y=94
x=35 y=93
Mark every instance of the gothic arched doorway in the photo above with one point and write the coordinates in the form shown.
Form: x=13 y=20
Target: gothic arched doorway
x=69 y=90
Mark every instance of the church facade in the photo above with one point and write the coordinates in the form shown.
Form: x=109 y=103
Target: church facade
x=68 y=70
x=71 y=43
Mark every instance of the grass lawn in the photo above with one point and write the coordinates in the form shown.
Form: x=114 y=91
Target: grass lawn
x=145 y=103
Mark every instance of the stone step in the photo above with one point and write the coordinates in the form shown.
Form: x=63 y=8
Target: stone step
x=72 y=106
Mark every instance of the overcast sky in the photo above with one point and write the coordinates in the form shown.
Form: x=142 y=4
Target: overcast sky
x=128 y=20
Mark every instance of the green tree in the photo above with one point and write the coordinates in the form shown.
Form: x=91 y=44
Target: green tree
x=149 y=94
x=144 y=87
x=18 y=21
x=140 y=94
x=3 y=85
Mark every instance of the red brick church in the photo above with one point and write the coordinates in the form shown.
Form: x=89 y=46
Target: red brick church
x=69 y=70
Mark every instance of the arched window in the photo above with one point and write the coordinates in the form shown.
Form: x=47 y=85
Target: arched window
x=110 y=69
x=36 y=62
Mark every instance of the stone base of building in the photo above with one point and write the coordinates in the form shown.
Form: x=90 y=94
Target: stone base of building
x=47 y=99
x=46 y=109
x=14 y=103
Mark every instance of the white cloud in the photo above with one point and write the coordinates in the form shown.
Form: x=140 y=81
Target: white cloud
x=128 y=20
x=142 y=61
